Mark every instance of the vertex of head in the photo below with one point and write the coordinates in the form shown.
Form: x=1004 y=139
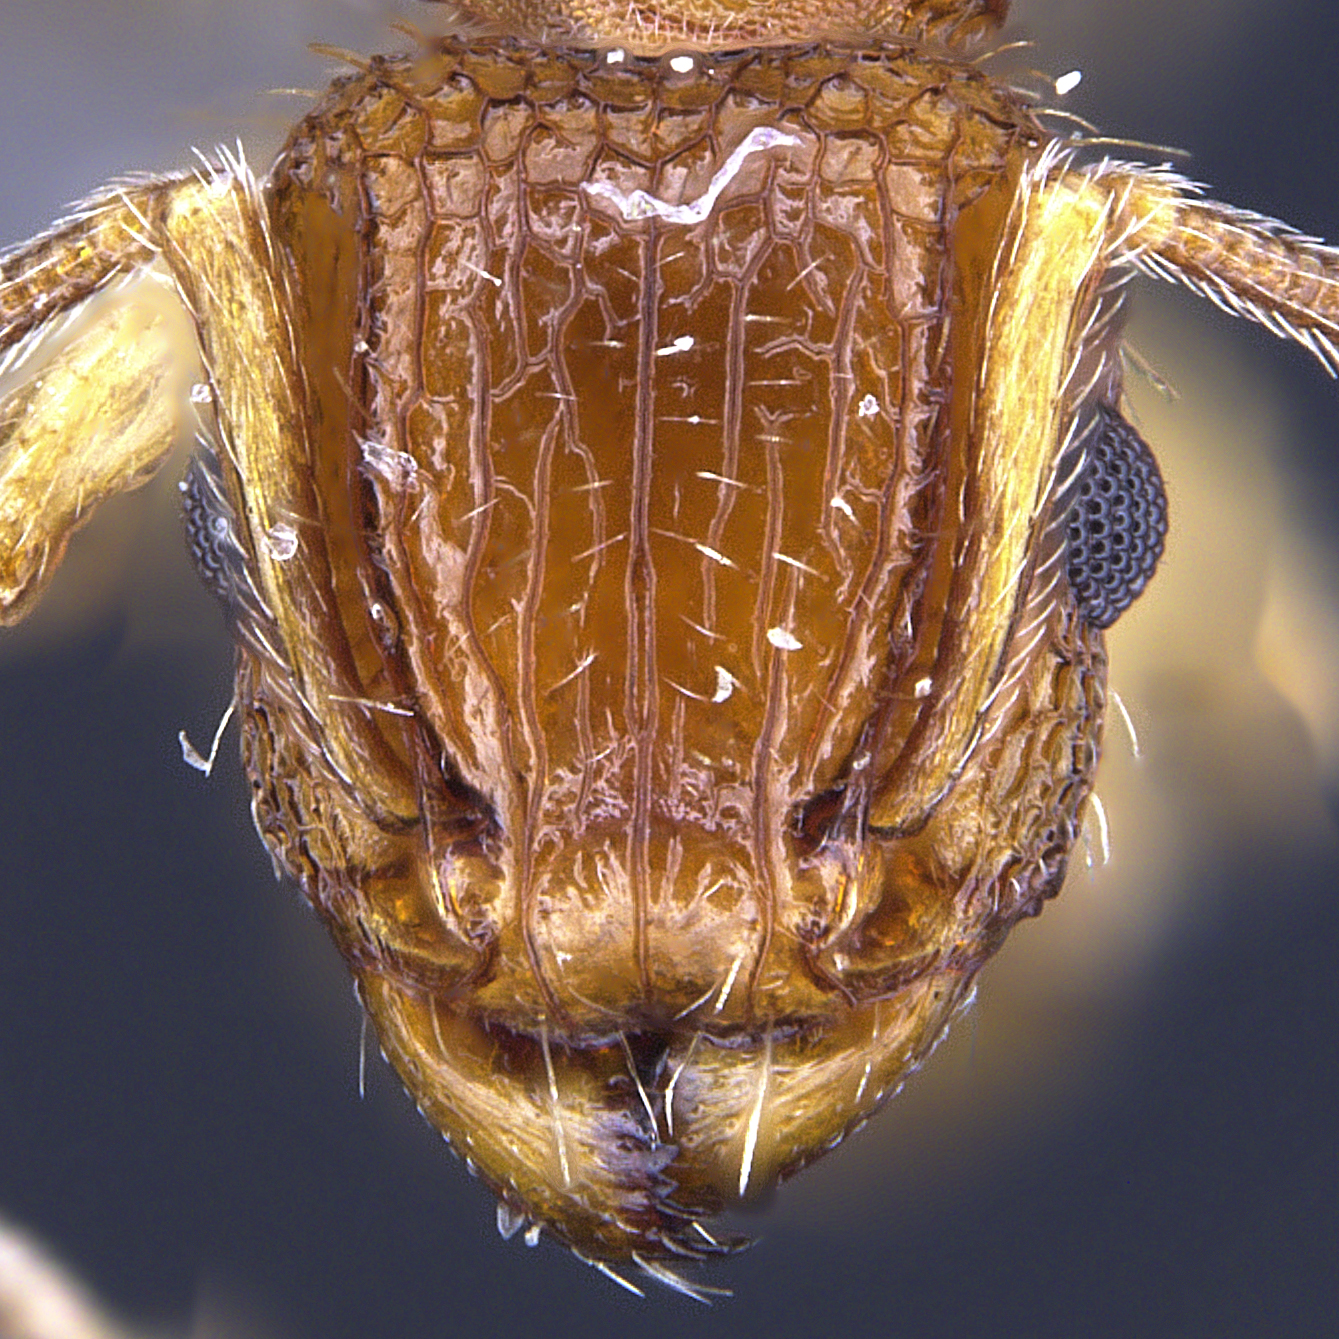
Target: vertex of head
x=662 y=24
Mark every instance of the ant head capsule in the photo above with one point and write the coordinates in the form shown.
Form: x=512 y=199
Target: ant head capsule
x=663 y=469
x=735 y=710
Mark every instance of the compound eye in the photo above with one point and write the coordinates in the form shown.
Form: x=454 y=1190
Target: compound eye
x=1118 y=523
x=210 y=535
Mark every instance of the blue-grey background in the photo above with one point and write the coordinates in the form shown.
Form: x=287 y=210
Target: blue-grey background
x=1141 y=1149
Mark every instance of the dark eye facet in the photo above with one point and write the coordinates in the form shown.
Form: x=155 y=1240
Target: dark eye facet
x=211 y=536
x=1118 y=523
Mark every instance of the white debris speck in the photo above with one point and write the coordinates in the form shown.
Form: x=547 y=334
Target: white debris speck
x=680 y=345
x=1067 y=83
x=682 y=64
x=725 y=684
x=923 y=687
x=398 y=468
x=641 y=204
x=868 y=407
x=532 y=1234
x=202 y=393
x=842 y=506
x=616 y=56
x=783 y=639
x=281 y=541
